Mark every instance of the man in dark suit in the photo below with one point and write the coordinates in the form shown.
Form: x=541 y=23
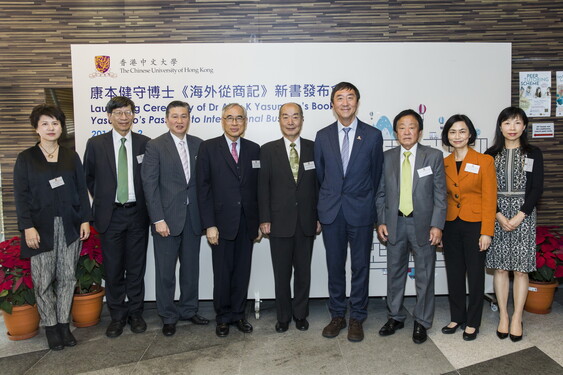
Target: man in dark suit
x=112 y=164
x=287 y=198
x=227 y=179
x=170 y=189
x=411 y=211
x=348 y=160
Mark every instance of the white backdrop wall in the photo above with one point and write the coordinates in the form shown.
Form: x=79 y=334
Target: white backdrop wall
x=437 y=79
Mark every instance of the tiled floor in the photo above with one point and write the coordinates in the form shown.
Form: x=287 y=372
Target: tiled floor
x=196 y=349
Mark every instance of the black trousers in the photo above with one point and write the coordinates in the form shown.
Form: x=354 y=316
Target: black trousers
x=124 y=251
x=462 y=256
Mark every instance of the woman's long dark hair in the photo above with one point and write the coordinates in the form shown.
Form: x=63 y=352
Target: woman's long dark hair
x=507 y=114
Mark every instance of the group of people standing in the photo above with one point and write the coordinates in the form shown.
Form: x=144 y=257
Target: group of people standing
x=235 y=192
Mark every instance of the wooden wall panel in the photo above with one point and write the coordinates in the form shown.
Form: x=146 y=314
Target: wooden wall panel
x=36 y=37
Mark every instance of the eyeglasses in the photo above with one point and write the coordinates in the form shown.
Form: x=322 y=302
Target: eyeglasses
x=231 y=119
x=121 y=113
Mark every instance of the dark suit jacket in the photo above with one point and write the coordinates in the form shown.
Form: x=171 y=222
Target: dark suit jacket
x=165 y=186
x=280 y=199
x=36 y=200
x=355 y=192
x=224 y=188
x=101 y=177
x=428 y=193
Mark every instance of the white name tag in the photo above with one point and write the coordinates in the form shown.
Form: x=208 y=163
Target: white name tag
x=140 y=158
x=426 y=171
x=472 y=168
x=56 y=182
x=308 y=165
x=255 y=163
x=529 y=165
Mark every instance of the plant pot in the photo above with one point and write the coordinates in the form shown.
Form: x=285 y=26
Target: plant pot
x=87 y=308
x=22 y=323
x=540 y=297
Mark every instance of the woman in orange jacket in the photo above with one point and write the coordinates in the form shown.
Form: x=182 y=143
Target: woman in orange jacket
x=470 y=223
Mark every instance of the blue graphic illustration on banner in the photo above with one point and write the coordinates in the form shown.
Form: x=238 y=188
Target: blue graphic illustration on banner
x=386 y=127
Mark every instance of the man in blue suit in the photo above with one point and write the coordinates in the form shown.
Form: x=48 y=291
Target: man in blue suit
x=349 y=161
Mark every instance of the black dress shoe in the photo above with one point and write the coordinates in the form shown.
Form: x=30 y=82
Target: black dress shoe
x=244 y=326
x=54 y=338
x=222 y=330
x=470 y=336
x=66 y=335
x=502 y=335
x=515 y=338
x=282 y=327
x=169 y=329
x=199 y=320
x=138 y=324
x=115 y=328
x=450 y=330
x=419 y=333
x=302 y=324
x=390 y=327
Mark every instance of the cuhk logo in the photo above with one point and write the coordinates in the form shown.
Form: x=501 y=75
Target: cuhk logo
x=102 y=63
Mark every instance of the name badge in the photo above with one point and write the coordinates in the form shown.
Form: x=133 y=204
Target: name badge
x=529 y=165
x=472 y=168
x=140 y=158
x=426 y=171
x=56 y=182
x=255 y=163
x=309 y=165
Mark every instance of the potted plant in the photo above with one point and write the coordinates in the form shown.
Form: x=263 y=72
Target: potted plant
x=17 y=297
x=89 y=293
x=549 y=266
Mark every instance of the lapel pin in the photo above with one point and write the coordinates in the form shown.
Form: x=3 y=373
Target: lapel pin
x=359 y=138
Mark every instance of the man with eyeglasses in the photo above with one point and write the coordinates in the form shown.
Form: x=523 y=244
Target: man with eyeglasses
x=227 y=179
x=112 y=164
x=287 y=200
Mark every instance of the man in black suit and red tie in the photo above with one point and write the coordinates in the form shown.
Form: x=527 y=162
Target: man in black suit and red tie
x=287 y=198
x=112 y=164
x=227 y=180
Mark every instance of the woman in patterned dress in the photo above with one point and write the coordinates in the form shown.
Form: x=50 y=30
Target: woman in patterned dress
x=519 y=168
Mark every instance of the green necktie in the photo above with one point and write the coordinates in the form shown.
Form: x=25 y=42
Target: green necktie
x=294 y=161
x=122 y=174
x=405 y=200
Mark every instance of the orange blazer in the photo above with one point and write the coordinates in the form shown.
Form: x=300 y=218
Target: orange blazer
x=472 y=196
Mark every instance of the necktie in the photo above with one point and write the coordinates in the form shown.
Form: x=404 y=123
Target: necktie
x=185 y=163
x=294 y=161
x=122 y=174
x=234 y=151
x=345 y=150
x=405 y=200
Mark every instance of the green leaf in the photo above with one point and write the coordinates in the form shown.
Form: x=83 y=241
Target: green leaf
x=6 y=306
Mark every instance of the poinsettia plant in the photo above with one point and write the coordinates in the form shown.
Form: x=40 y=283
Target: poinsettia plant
x=16 y=285
x=90 y=270
x=549 y=254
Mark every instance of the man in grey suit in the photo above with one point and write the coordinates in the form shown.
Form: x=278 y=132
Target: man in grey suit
x=168 y=175
x=411 y=208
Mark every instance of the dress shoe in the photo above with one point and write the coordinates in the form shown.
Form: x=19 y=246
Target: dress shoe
x=302 y=324
x=282 y=327
x=222 y=330
x=502 y=335
x=244 y=326
x=115 y=328
x=54 y=338
x=334 y=327
x=138 y=324
x=199 y=320
x=355 y=331
x=66 y=335
x=515 y=338
x=450 y=330
x=470 y=336
x=390 y=327
x=419 y=333
x=169 y=329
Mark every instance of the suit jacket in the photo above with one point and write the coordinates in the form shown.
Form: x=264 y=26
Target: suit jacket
x=165 y=186
x=281 y=200
x=37 y=203
x=355 y=192
x=101 y=177
x=428 y=192
x=472 y=196
x=226 y=188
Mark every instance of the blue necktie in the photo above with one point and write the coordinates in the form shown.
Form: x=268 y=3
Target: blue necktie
x=345 y=149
